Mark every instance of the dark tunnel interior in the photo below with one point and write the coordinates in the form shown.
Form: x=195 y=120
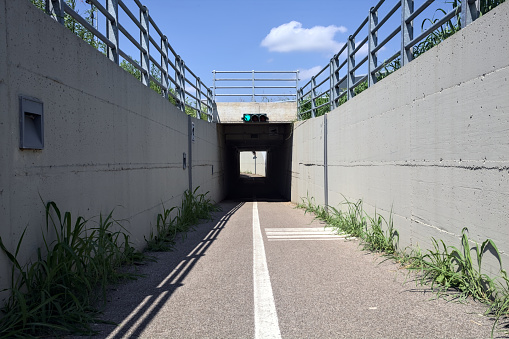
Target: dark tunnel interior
x=276 y=140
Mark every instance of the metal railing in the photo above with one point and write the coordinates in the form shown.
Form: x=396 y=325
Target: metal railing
x=338 y=88
x=256 y=77
x=172 y=78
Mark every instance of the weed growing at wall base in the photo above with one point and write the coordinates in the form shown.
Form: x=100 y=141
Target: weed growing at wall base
x=449 y=271
x=55 y=292
x=192 y=208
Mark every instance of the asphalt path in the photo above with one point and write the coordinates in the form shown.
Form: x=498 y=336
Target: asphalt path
x=279 y=274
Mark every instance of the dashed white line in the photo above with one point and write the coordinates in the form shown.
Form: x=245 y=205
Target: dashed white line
x=266 y=321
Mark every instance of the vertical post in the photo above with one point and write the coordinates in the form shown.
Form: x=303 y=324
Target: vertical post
x=372 y=43
x=214 y=83
x=325 y=165
x=296 y=84
x=350 y=79
x=181 y=82
x=469 y=12
x=210 y=105
x=407 y=31
x=299 y=102
x=253 y=89
x=144 y=42
x=112 y=30
x=55 y=8
x=164 y=63
x=332 y=80
x=198 y=100
x=313 y=96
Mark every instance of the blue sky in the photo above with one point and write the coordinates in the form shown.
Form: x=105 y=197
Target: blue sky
x=263 y=35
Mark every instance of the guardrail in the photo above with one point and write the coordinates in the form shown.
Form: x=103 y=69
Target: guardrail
x=183 y=87
x=265 y=83
x=339 y=89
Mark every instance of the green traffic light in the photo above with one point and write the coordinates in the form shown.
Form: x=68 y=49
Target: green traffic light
x=247 y=117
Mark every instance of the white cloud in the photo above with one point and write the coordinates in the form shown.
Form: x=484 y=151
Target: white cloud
x=292 y=37
x=306 y=74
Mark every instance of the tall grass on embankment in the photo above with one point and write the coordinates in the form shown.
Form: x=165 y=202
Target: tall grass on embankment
x=451 y=272
x=57 y=292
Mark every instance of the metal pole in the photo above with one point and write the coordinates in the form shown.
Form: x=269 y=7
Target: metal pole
x=332 y=81
x=350 y=79
x=469 y=12
x=253 y=81
x=214 y=83
x=164 y=62
x=144 y=42
x=372 y=43
x=55 y=8
x=112 y=30
x=407 y=31
x=198 y=101
x=313 y=95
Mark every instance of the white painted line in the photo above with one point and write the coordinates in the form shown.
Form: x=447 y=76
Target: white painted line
x=128 y=318
x=308 y=239
x=296 y=236
x=266 y=321
x=304 y=229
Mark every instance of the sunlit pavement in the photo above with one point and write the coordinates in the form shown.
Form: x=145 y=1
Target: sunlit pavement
x=314 y=285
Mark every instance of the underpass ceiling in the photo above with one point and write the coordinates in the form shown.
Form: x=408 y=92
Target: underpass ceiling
x=256 y=136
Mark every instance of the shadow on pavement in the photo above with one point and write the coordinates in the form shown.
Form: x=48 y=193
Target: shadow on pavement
x=140 y=307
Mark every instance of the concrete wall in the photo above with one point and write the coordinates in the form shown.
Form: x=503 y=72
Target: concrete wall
x=110 y=142
x=231 y=112
x=430 y=142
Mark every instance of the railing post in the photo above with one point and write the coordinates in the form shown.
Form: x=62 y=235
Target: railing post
x=112 y=30
x=407 y=31
x=372 y=43
x=198 y=101
x=214 y=84
x=253 y=82
x=332 y=81
x=313 y=96
x=144 y=42
x=469 y=12
x=296 y=84
x=350 y=79
x=181 y=82
x=164 y=63
x=210 y=105
x=55 y=8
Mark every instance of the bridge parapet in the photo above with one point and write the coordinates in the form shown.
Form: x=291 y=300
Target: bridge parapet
x=231 y=112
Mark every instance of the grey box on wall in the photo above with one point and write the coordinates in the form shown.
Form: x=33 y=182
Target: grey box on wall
x=31 y=123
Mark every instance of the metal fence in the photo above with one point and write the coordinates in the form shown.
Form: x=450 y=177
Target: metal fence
x=170 y=75
x=259 y=82
x=327 y=89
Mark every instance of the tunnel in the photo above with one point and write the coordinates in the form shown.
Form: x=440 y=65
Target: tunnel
x=273 y=138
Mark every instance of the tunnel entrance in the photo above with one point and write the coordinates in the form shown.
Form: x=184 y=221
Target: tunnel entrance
x=268 y=146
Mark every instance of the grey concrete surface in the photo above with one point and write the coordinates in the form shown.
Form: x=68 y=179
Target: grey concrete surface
x=231 y=112
x=322 y=289
x=429 y=143
x=110 y=142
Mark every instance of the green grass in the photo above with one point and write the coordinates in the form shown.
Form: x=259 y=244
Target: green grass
x=448 y=270
x=180 y=219
x=56 y=290
x=56 y=293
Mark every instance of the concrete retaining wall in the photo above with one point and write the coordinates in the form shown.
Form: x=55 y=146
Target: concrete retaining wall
x=110 y=142
x=430 y=143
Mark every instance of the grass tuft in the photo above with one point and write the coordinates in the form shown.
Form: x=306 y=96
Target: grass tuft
x=448 y=270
